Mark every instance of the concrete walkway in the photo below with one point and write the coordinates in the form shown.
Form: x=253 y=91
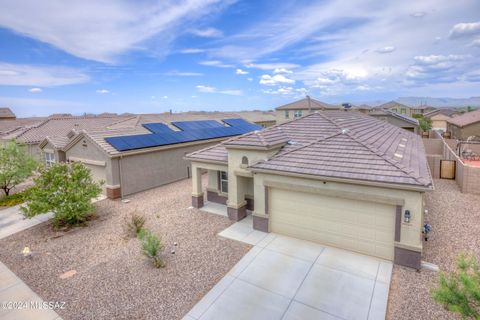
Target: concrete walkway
x=18 y=301
x=287 y=278
x=13 y=221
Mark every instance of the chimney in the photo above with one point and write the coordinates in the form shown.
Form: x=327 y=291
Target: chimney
x=309 y=103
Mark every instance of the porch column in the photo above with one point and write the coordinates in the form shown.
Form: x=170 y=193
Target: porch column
x=236 y=204
x=261 y=213
x=197 y=192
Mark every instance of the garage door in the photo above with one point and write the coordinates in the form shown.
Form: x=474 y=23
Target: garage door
x=361 y=226
x=98 y=173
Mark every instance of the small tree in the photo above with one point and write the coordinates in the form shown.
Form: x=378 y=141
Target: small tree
x=15 y=166
x=65 y=189
x=460 y=291
x=425 y=123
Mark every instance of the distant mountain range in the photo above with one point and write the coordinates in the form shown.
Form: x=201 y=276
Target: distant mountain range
x=434 y=102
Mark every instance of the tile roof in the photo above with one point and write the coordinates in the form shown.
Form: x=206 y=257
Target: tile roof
x=309 y=103
x=397 y=115
x=55 y=127
x=466 y=119
x=445 y=111
x=391 y=104
x=7 y=126
x=338 y=144
x=6 y=113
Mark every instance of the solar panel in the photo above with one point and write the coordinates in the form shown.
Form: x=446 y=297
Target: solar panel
x=191 y=131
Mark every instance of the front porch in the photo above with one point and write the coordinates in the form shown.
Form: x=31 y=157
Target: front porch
x=229 y=193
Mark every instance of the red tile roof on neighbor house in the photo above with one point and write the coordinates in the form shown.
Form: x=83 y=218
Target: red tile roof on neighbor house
x=337 y=144
x=466 y=119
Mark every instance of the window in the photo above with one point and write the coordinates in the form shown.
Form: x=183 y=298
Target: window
x=49 y=158
x=245 y=160
x=403 y=111
x=287 y=114
x=298 y=113
x=395 y=110
x=223 y=182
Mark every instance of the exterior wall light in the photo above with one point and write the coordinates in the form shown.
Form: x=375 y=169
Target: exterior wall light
x=407 y=216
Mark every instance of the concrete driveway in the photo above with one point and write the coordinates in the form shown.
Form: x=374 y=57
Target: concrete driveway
x=287 y=278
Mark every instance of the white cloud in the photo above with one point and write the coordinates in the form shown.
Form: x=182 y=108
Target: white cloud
x=272 y=66
x=250 y=79
x=216 y=63
x=419 y=14
x=241 y=72
x=165 y=97
x=282 y=70
x=35 y=90
x=207 y=33
x=461 y=30
x=206 y=89
x=102 y=30
x=387 y=49
x=286 y=91
x=210 y=89
x=102 y=91
x=475 y=43
x=276 y=79
x=44 y=76
x=176 y=73
x=192 y=51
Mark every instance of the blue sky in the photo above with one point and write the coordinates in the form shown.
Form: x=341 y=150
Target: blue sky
x=152 y=56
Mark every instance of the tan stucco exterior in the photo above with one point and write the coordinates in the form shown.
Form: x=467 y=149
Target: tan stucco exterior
x=393 y=199
x=439 y=122
x=462 y=133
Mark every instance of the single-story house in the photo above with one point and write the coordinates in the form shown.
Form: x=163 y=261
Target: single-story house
x=342 y=179
x=440 y=117
x=465 y=126
x=7 y=114
x=403 y=109
x=400 y=120
x=262 y=118
x=131 y=157
x=301 y=108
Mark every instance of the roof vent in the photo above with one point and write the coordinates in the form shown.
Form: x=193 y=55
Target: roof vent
x=256 y=132
x=345 y=131
x=398 y=155
x=291 y=142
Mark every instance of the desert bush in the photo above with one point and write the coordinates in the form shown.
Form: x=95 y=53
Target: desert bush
x=459 y=291
x=16 y=165
x=135 y=224
x=152 y=247
x=65 y=189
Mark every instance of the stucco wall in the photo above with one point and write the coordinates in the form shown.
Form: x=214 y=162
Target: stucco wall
x=148 y=170
x=413 y=200
x=464 y=132
x=397 y=122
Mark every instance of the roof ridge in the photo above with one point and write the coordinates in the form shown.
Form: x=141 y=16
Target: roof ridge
x=395 y=163
x=34 y=127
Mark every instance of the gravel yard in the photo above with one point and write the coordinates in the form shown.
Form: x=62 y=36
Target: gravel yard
x=113 y=280
x=455 y=218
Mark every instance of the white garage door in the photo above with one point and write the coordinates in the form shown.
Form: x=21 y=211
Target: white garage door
x=98 y=173
x=361 y=226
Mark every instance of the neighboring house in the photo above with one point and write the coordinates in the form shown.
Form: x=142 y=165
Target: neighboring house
x=400 y=120
x=7 y=114
x=465 y=126
x=363 y=108
x=301 y=108
x=440 y=117
x=141 y=153
x=262 y=118
x=403 y=109
x=338 y=178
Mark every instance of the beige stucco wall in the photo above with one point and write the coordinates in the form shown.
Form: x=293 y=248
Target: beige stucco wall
x=148 y=170
x=464 y=132
x=412 y=200
x=397 y=122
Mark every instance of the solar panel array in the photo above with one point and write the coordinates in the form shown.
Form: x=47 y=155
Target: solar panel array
x=191 y=131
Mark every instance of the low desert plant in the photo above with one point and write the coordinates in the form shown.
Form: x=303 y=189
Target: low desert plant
x=14 y=199
x=152 y=247
x=459 y=291
x=135 y=224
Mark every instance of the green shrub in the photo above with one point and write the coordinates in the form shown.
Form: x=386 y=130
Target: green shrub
x=459 y=291
x=14 y=199
x=67 y=190
x=16 y=165
x=135 y=224
x=152 y=247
